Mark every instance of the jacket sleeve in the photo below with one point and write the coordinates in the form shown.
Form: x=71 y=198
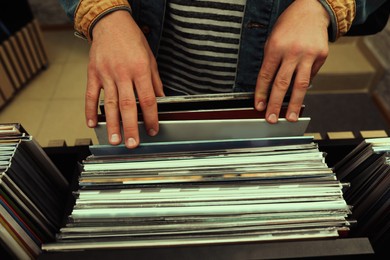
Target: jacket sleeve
x=86 y=13
x=344 y=13
x=69 y=6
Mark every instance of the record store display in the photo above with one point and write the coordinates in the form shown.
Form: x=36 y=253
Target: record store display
x=231 y=190
x=367 y=169
x=205 y=192
x=32 y=194
x=23 y=53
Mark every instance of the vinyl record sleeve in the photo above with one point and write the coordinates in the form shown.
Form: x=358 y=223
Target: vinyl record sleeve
x=200 y=224
x=211 y=114
x=44 y=162
x=12 y=244
x=30 y=222
x=26 y=204
x=197 y=146
x=221 y=210
x=18 y=218
x=195 y=130
x=20 y=232
x=252 y=237
x=175 y=232
x=193 y=153
x=212 y=162
x=201 y=102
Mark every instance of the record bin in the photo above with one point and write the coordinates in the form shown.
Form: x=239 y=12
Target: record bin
x=67 y=158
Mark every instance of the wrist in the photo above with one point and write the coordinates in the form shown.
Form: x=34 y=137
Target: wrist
x=318 y=9
x=110 y=21
x=323 y=12
x=90 y=12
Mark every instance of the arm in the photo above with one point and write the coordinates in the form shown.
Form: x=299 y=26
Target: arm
x=122 y=64
x=298 y=46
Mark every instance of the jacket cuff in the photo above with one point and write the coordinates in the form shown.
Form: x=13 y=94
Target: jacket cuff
x=89 y=12
x=342 y=13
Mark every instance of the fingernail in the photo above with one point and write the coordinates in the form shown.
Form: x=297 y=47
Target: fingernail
x=91 y=123
x=152 y=132
x=272 y=118
x=131 y=142
x=293 y=117
x=114 y=138
x=260 y=106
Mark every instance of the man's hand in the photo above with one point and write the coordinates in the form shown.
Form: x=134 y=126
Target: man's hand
x=122 y=63
x=297 y=46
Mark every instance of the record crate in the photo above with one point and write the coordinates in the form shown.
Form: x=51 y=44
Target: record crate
x=336 y=145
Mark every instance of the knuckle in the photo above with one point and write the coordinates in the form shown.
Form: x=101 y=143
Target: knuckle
x=297 y=50
x=127 y=104
x=140 y=68
x=121 y=73
x=147 y=101
x=153 y=63
x=103 y=72
x=311 y=52
x=267 y=76
x=317 y=53
x=93 y=70
x=91 y=67
x=282 y=83
x=90 y=95
x=274 y=44
x=110 y=103
x=323 y=54
x=302 y=84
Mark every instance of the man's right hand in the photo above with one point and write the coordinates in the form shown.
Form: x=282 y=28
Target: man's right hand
x=121 y=63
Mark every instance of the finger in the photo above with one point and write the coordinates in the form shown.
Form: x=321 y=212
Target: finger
x=157 y=83
x=92 y=98
x=264 y=80
x=300 y=86
x=279 y=89
x=316 y=67
x=319 y=61
x=112 y=112
x=128 y=111
x=148 y=104
x=156 y=80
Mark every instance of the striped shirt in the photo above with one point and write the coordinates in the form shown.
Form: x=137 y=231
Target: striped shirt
x=199 y=47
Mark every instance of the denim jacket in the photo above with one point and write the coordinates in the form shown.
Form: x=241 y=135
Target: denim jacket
x=259 y=18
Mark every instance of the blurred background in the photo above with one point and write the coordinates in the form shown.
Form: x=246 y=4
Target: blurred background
x=351 y=93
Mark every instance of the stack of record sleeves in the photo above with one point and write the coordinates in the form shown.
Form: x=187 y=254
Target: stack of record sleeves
x=204 y=192
x=367 y=169
x=32 y=194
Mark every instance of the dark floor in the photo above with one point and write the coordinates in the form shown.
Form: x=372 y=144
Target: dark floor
x=343 y=112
